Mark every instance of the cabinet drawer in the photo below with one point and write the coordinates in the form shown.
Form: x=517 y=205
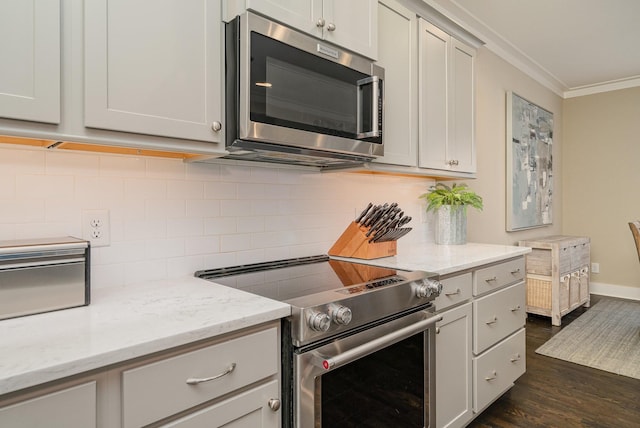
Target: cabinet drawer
x=73 y=407
x=158 y=390
x=580 y=255
x=497 y=369
x=497 y=315
x=248 y=409
x=454 y=290
x=496 y=276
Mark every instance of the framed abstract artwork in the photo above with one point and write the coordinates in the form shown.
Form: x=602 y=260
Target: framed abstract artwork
x=529 y=164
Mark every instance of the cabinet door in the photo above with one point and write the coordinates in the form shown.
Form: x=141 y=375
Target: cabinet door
x=446 y=105
x=154 y=67
x=433 y=45
x=461 y=144
x=303 y=15
x=453 y=364
x=397 y=55
x=353 y=25
x=249 y=409
x=73 y=407
x=30 y=60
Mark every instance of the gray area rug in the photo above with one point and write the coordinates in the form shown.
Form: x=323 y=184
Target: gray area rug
x=606 y=337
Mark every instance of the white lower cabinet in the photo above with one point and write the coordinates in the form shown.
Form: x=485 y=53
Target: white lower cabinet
x=480 y=341
x=453 y=367
x=232 y=381
x=71 y=407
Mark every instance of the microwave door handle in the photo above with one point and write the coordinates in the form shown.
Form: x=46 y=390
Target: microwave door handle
x=375 y=99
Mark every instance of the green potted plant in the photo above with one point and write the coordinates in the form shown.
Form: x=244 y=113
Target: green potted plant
x=450 y=205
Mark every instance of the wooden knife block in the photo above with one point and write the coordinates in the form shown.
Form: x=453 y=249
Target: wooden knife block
x=354 y=242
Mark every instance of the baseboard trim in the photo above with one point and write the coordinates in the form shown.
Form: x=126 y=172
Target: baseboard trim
x=612 y=290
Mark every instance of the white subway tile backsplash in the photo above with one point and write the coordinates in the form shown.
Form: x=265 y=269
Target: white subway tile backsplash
x=165 y=168
x=238 y=242
x=234 y=208
x=44 y=186
x=202 y=208
x=21 y=161
x=185 y=189
x=78 y=164
x=141 y=188
x=219 y=190
x=202 y=245
x=123 y=166
x=220 y=225
x=169 y=218
x=164 y=248
x=185 y=227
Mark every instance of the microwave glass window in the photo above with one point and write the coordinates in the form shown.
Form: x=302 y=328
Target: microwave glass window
x=306 y=97
x=293 y=88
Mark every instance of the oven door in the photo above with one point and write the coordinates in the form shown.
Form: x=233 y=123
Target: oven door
x=299 y=91
x=380 y=377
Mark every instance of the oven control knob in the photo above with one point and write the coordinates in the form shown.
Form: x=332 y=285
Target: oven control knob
x=319 y=321
x=428 y=288
x=340 y=314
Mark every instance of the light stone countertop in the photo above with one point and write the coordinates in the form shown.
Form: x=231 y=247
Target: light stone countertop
x=127 y=322
x=445 y=259
x=122 y=323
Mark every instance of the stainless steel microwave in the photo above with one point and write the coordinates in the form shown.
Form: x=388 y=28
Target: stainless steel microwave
x=294 y=99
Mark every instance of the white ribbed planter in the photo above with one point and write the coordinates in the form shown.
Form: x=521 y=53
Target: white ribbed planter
x=451 y=225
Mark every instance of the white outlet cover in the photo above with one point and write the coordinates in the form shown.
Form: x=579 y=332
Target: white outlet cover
x=96 y=227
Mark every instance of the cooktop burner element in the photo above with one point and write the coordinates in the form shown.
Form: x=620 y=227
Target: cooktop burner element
x=330 y=296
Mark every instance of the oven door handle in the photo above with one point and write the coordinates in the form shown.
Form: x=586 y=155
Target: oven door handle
x=353 y=354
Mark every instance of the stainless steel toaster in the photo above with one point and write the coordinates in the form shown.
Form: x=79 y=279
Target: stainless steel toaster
x=42 y=275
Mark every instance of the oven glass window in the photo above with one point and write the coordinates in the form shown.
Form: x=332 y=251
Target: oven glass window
x=295 y=89
x=384 y=389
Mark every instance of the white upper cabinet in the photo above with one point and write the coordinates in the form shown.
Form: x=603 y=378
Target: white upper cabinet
x=350 y=24
x=446 y=88
x=30 y=60
x=154 y=67
x=397 y=49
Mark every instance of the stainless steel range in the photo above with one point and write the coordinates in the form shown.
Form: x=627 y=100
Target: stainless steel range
x=359 y=345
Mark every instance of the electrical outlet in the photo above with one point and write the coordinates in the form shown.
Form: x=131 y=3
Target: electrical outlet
x=595 y=267
x=95 y=227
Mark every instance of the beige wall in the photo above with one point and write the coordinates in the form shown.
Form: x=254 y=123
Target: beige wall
x=494 y=77
x=601 y=170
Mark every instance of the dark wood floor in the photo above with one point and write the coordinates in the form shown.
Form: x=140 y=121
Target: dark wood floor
x=556 y=393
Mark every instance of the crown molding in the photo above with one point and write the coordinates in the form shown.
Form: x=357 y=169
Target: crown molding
x=613 y=85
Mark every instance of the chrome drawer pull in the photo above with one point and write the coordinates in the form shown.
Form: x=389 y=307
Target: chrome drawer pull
x=493 y=321
x=491 y=279
x=195 y=381
x=489 y=379
x=454 y=293
x=517 y=308
x=513 y=272
x=516 y=358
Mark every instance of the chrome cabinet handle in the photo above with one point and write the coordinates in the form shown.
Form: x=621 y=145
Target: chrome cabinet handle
x=196 y=381
x=331 y=26
x=320 y=23
x=437 y=330
x=454 y=293
x=493 y=321
x=453 y=162
x=515 y=358
x=216 y=126
x=513 y=272
x=274 y=404
x=492 y=377
x=517 y=308
x=491 y=279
